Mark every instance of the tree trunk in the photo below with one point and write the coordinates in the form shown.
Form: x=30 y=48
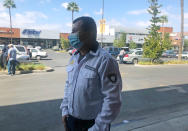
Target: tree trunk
x=163 y=30
x=182 y=31
x=10 y=24
x=72 y=17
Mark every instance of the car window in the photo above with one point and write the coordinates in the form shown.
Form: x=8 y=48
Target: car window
x=33 y=50
x=110 y=49
x=116 y=49
x=20 y=49
x=130 y=52
x=1 y=47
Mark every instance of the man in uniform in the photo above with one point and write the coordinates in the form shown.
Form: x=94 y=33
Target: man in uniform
x=11 y=60
x=92 y=96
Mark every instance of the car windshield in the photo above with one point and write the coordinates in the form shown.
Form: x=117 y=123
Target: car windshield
x=20 y=49
x=1 y=47
x=130 y=52
x=116 y=50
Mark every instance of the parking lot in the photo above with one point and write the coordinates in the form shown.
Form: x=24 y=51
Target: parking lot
x=31 y=102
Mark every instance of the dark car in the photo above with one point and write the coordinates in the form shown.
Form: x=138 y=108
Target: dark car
x=114 y=51
x=169 y=54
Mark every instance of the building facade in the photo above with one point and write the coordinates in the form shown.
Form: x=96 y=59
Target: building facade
x=5 y=35
x=43 y=38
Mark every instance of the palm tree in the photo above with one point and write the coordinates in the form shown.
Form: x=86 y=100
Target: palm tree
x=163 y=20
x=182 y=30
x=73 y=7
x=10 y=4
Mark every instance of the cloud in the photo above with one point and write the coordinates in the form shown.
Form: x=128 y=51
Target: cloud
x=98 y=12
x=114 y=22
x=86 y=14
x=65 y=5
x=22 y=20
x=69 y=24
x=186 y=15
x=46 y=26
x=2 y=8
x=44 y=1
x=55 y=9
x=137 y=12
x=143 y=23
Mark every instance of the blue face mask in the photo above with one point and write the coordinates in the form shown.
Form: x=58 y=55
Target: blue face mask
x=75 y=41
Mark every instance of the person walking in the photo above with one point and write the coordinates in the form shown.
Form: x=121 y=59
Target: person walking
x=11 y=60
x=121 y=55
x=4 y=56
x=92 y=96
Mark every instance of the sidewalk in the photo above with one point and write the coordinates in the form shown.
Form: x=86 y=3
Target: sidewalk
x=175 y=121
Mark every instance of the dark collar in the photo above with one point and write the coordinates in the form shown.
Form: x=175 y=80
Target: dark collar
x=93 y=50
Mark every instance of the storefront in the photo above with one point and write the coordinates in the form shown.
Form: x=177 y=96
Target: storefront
x=5 y=35
x=43 y=38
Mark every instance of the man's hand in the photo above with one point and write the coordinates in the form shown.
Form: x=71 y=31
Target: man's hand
x=64 y=121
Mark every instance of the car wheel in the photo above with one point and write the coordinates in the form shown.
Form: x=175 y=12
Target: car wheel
x=38 y=57
x=135 y=61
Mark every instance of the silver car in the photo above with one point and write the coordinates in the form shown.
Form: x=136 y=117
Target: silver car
x=133 y=56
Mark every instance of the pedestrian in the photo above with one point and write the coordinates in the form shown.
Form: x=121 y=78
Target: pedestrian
x=121 y=55
x=11 y=60
x=92 y=96
x=4 y=56
x=29 y=53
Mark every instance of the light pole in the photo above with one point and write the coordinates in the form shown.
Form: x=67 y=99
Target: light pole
x=182 y=31
x=102 y=22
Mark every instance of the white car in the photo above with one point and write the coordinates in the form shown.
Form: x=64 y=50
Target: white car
x=38 y=47
x=21 y=52
x=184 y=55
x=133 y=57
x=38 y=54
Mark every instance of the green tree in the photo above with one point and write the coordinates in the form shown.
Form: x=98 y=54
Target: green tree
x=153 y=46
x=65 y=44
x=163 y=20
x=121 y=41
x=166 y=42
x=73 y=7
x=10 y=4
x=132 y=45
x=186 y=44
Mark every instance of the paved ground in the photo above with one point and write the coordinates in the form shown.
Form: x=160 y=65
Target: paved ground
x=150 y=95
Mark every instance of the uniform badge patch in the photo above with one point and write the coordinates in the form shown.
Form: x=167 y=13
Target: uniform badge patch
x=112 y=77
x=72 y=62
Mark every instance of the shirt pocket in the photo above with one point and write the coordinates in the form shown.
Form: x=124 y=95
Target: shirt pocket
x=89 y=80
x=70 y=70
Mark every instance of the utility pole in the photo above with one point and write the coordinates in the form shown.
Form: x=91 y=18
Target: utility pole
x=182 y=31
x=102 y=23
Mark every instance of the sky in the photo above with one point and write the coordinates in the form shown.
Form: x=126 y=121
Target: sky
x=52 y=14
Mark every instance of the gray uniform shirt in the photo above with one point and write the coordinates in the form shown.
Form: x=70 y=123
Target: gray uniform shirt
x=12 y=53
x=93 y=89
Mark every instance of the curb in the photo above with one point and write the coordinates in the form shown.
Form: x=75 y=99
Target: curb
x=160 y=65
x=48 y=69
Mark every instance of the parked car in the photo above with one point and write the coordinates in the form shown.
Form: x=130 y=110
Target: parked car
x=38 y=47
x=70 y=50
x=1 y=48
x=21 y=52
x=29 y=46
x=184 y=54
x=140 y=49
x=56 y=48
x=1 y=56
x=38 y=54
x=126 y=49
x=133 y=57
x=169 y=54
x=114 y=51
